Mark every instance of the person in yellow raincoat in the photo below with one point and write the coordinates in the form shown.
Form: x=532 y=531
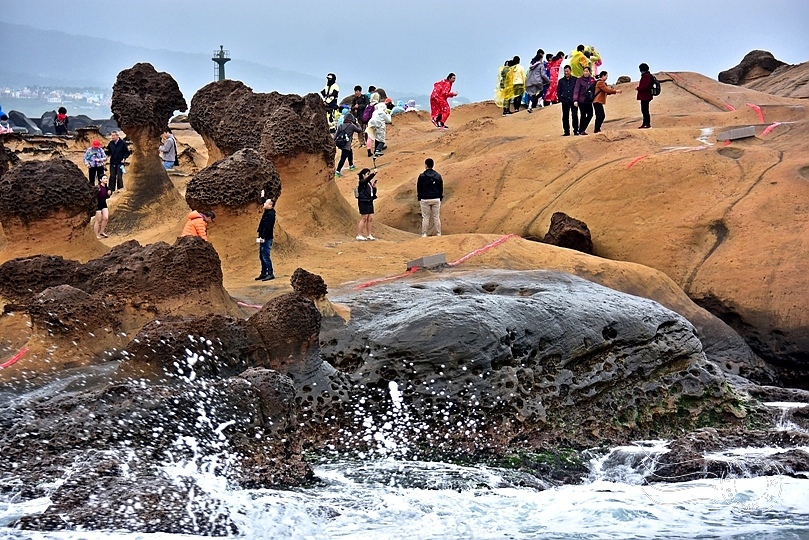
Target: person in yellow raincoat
x=504 y=92
x=578 y=61
x=595 y=59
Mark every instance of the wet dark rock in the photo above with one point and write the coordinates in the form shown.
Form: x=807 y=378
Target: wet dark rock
x=19 y=120
x=754 y=65
x=308 y=284
x=568 y=232
x=70 y=312
x=234 y=182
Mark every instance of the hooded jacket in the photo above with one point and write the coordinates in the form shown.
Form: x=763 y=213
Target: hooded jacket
x=195 y=226
x=430 y=185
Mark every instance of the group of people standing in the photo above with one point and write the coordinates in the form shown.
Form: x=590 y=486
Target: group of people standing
x=95 y=158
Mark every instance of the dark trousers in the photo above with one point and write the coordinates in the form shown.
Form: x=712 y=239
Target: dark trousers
x=116 y=177
x=644 y=110
x=535 y=100
x=600 y=116
x=517 y=102
x=264 y=256
x=95 y=174
x=586 y=110
x=345 y=155
x=568 y=108
x=378 y=145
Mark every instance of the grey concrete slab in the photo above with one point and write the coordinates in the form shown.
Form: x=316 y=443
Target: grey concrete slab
x=428 y=261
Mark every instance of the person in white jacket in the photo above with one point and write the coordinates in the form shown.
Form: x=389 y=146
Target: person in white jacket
x=377 y=127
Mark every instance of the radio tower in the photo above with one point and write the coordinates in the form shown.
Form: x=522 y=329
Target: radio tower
x=220 y=57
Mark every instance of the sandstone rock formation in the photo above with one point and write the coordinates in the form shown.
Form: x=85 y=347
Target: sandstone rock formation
x=45 y=206
x=754 y=65
x=568 y=232
x=234 y=183
x=623 y=79
x=787 y=81
x=7 y=159
x=143 y=100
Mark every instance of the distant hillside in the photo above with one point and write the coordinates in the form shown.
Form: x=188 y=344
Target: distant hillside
x=42 y=57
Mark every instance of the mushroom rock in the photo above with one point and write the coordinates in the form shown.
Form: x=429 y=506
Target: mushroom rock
x=754 y=65
x=45 y=206
x=143 y=100
x=623 y=79
x=313 y=287
x=568 y=232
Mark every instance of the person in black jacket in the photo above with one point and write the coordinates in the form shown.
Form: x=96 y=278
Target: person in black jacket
x=117 y=151
x=564 y=92
x=265 y=236
x=430 y=191
x=366 y=193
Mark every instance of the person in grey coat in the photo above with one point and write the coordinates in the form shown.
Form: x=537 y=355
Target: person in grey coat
x=168 y=150
x=537 y=79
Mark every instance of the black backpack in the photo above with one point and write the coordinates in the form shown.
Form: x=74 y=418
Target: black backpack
x=590 y=94
x=655 y=89
x=341 y=138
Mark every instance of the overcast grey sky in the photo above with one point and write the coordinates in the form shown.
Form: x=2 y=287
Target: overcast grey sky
x=409 y=45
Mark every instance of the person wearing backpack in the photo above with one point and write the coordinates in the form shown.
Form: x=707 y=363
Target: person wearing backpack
x=644 y=90
x=329 y=95
x=366 y=193
x=602 y=91
x=537 y=80
x=583 y=95
x=343 y=139
x=61 y=121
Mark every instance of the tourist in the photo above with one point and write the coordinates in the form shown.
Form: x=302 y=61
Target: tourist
x=197 y=224
x=264 y=239
x=102 y=212
x=564 y=92
x=5 y=126
x=378 y=124
x=578 y=61
x=358 y=104
x=645 y=95
x=118 y=151
x=553 y=74
x=329 y=95
x=95 y=158
x=518 y=80
x=583 y=94
x=343 y=139
x=168 y=150
x=439 y=101
x=366 y=193
x=430 y=191
x=60 y=121
x=602 y=91
x=505 y=88
x=537 y=80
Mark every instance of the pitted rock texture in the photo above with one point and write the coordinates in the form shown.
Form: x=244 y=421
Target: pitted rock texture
x=143 y=98
x=34 y=190
x=568 y=232
x=754 y=65
x=231 y=117
x=234 y=181
x=211 y=346
x=68 y=311
x=109 y=442
x=20 y=279
x=308 y=284
x=485 y=359
x=7 y=159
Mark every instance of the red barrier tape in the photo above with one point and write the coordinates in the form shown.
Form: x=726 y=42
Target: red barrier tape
x=729 y=107
x=249 y=305
x=758 y=110
x=14 y=359
x=727 y=143
x=632 y=163
x=384 y=279
x=770 y=128
x=485 y=248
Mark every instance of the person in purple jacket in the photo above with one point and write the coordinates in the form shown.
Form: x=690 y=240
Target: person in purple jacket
x=102 y=212
x=583 y=99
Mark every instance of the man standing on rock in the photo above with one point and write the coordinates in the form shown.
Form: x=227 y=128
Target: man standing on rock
x=264 y=239
x=168 y=150
x=117 y=151
x=564 y=92
x=430 y=191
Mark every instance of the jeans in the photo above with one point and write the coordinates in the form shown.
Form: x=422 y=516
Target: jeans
x=599 y=108
x=568 y=108
x=116 y=177
x=644 y=109
x=168 y=165
x=264 y=256
x=430 y=208
x=345 y=155
x=586 y=110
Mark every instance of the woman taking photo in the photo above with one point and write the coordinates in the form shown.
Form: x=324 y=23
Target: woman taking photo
x=366 y=193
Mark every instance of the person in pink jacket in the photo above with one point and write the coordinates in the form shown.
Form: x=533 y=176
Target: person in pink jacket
x=439 y=101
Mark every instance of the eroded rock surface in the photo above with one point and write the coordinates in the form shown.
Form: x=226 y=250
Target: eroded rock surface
x=754 y=65
x=568 y=232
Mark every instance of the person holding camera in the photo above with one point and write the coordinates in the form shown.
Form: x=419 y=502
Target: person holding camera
x=168 y=150
x=264 y=240
x=366 y=193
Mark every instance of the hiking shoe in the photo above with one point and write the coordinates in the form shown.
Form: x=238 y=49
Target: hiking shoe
x=338 y=174
x=370 y=153
x=529 y=110
x=378 y=154
x=361 y=237
x=370 y=237
x=268 y=277
x=583 y=133
x=438 y=234
x=565 y=134
x=435 y=122
x=351 y=168
x=645 y=127
x=424 y=235
x=259 y=278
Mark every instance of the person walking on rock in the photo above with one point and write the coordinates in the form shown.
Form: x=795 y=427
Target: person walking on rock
x=60 y=121
x=553 y=73
x=430 y=191
x=378 y=124
x=583 y=95
x=578 y=61
x=118 y=151
x=439 y=101
x=366 y=194
x=343 y=139
x=518 y=80
x=644 y=90
x=102 y=212
x=358 y=104
x=264 y=239
x=168 y=150
x=537 y=79
x=602 y=91
x=329 y=95
x=565 y=93
x=197 y=224
x=95 y=158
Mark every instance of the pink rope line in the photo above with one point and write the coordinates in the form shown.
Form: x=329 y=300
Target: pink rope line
x=770 y=128
x=758 y=110
x=14 y=359
x=384 y=279
x=632 y=163
x=484 y=249
x=255 y=306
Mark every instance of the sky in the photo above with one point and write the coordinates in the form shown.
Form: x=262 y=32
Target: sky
x=407 y=46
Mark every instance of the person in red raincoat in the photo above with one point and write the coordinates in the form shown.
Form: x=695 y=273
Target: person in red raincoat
x=553 y=70
x=439 y=104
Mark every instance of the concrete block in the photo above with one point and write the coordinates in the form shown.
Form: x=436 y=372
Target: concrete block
x=428 y=261
x=737 y=133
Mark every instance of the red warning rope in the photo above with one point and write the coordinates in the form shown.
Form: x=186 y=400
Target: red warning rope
x=758 y=110
x=413 y=270
x=256 y=306
x=14 y=359
x=770 y=128
x=632 y=163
